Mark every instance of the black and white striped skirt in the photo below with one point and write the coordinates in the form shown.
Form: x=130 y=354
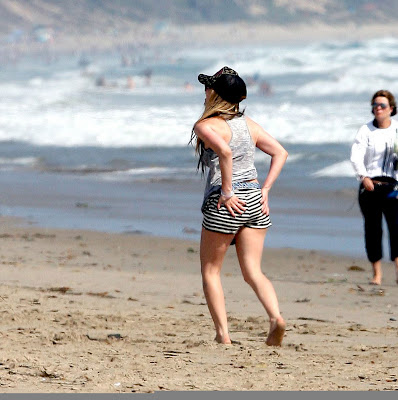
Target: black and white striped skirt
x=220 y=220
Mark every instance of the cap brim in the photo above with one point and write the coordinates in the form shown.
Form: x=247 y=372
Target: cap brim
x=206 y=80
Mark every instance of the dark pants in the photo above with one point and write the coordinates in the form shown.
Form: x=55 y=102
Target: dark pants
x=373 y=206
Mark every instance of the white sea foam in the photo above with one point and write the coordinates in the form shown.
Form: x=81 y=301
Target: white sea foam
x=333 y=57
x=158 y=172
x=324 y=101
x=153 y=170
x=64 y=122
x=358 y=79
x=18 y=161
x=341 y=169
x=319 y=123
x=295 y=157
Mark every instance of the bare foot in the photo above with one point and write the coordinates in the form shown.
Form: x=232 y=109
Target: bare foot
x=276 y=332
x=223 y=340
x=375 y=282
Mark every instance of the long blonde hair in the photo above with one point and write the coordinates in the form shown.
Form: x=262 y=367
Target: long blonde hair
x=215 y=106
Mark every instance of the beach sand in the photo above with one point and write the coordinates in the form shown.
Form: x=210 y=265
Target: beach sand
x=94 y=312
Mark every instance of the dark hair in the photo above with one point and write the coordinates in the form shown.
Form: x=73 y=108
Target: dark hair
x=389 y=96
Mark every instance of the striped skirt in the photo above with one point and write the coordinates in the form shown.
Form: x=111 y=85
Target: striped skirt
x=222 y=221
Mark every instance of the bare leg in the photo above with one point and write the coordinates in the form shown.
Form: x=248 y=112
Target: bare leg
x=249 y=248
x=377 y=273
x=213 y=247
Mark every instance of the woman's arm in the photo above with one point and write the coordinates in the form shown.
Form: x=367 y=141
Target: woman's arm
x=358 y=151
x=269 y=145
x=357 y=158
x=207 y=132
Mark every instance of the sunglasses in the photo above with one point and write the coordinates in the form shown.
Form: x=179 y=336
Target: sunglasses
x=382 y=105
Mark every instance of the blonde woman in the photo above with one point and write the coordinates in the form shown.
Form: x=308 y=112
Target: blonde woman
x=235 y=206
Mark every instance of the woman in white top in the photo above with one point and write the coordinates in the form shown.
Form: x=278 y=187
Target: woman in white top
x=375 y=161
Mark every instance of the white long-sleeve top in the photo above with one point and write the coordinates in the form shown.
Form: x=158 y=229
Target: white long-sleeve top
x=372 y=153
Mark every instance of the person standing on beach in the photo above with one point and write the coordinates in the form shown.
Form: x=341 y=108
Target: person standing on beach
x=374 y=156
x=235 y=207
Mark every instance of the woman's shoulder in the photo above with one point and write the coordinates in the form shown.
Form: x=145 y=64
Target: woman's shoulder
x=216 y=124
x=251 y=123
x=255 y=129
x=370 y=127
x=203 y=125
x=209 y=122
x=366 y=128
x=394 y=123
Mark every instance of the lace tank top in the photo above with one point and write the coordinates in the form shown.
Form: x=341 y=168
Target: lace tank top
x=242 y=148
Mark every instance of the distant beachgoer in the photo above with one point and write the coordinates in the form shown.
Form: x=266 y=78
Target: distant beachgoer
x=188 y=87
x=130 y=83
x=148 y=75
x=83 y=61
x=265 y=89
x=101 y=82
x=252 y=79
x=374 y=156
x=125 y=61
x=235 y=206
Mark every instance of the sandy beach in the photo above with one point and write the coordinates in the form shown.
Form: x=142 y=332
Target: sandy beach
x=93 y=312
x=85 y=311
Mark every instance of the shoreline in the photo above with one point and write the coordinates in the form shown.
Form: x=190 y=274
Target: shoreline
x=92 y=312
x=312 y=219
x=307 y=227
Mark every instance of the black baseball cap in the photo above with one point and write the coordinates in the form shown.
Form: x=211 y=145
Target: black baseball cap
x=226 y=83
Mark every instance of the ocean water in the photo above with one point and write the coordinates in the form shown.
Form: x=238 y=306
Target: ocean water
x=116 y=158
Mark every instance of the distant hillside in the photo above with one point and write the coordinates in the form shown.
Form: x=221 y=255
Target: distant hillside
x=83 y=15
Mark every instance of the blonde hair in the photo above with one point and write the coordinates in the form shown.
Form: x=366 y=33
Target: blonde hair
x=215 y=106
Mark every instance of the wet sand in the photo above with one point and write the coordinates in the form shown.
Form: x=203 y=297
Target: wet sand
x=93 y=312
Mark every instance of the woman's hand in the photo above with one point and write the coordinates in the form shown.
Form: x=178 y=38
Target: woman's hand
x=233 y=203
x=264 y=201
x=368 y=184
